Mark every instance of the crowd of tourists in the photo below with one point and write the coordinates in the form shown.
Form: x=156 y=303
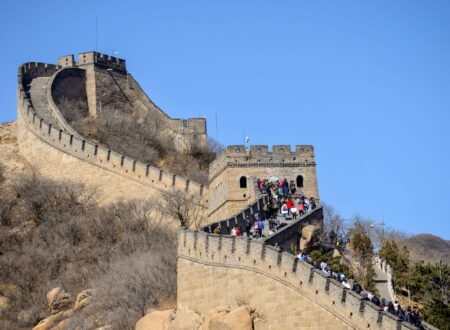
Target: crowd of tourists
x=284 y=199
x=408 y=314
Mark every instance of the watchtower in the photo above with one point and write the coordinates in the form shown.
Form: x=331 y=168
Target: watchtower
x=233 y=175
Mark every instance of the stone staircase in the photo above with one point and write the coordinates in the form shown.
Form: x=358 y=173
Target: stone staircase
x=38 y=93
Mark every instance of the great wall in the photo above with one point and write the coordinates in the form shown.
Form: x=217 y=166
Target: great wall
x=212 y=269
x=57 y=151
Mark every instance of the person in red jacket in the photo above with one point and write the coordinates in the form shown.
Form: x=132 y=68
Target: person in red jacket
x=289 y=205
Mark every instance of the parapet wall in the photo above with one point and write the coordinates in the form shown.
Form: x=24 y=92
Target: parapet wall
x=290 y=234
x=218 y=270
x=260 y=156
x=66 y=156
x=102 y=60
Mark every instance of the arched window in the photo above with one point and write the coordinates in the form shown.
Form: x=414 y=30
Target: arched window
x=243 y=182
x=300 y=181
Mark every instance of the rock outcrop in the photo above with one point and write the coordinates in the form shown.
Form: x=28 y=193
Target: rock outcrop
x=4 y=304
x=155 y=320
x=83 y=299
x=218 y=318
x=60 y=305
x=58 y=300
x=309 y=235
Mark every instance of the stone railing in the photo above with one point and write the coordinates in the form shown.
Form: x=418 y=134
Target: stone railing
x=94 y=154
x=237 y=219
x=290 y=234
x=241 y=253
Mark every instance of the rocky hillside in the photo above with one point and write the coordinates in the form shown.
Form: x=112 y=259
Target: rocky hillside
x=10 y=159
x=428 y=248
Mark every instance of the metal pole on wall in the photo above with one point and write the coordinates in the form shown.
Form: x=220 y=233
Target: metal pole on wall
x=96 y=33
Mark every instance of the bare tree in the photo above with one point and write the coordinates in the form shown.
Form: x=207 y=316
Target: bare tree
x=182 y=207
x=334 y=226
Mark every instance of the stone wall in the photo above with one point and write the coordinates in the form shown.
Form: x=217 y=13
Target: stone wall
x=289 y=294
x=60 y=155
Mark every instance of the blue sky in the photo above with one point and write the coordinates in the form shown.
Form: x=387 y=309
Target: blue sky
x=366 y=82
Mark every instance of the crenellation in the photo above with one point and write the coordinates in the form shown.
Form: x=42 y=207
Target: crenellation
x=214 y=243
x=409 y=326
x=372 y=314
x=320 y=281
x=66 y=61
x=390 y=321
x=281 y=150
x=322 y=299
x=102 y=60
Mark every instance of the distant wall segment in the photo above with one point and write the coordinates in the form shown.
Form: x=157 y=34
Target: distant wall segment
x=61 y=155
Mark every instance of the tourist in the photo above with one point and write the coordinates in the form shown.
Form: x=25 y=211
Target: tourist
x=233 y=231
x=345 y=283
x=261 y=226
x=284 y=210
x=301 y=208
x=248 y=225
x=357 y=287
x=294 y=213
x=255 y=229
x=217 y=230
x=289 y=205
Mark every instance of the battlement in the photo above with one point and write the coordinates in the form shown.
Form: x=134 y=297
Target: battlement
x=102 y=60
x=216 y=269
x=260 y=156
x=263 y=151
x=66 y=61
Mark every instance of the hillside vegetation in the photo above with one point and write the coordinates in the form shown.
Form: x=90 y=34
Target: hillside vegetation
x=54 y=234
x=428 y=248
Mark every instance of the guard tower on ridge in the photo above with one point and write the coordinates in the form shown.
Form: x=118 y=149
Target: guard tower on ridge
x=233 y=175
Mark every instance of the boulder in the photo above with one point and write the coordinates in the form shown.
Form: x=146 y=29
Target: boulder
x=309 y=235
x=4 y=303
x=155 y=320
x=260 y=324
x=223 y=319
x=83 y=299
x=215 y=315
x=336 y=253
x=186 y=320
x=54 y=322
x=239 y=319
x=27 y=317
x=49 y=322
x=58 y=300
